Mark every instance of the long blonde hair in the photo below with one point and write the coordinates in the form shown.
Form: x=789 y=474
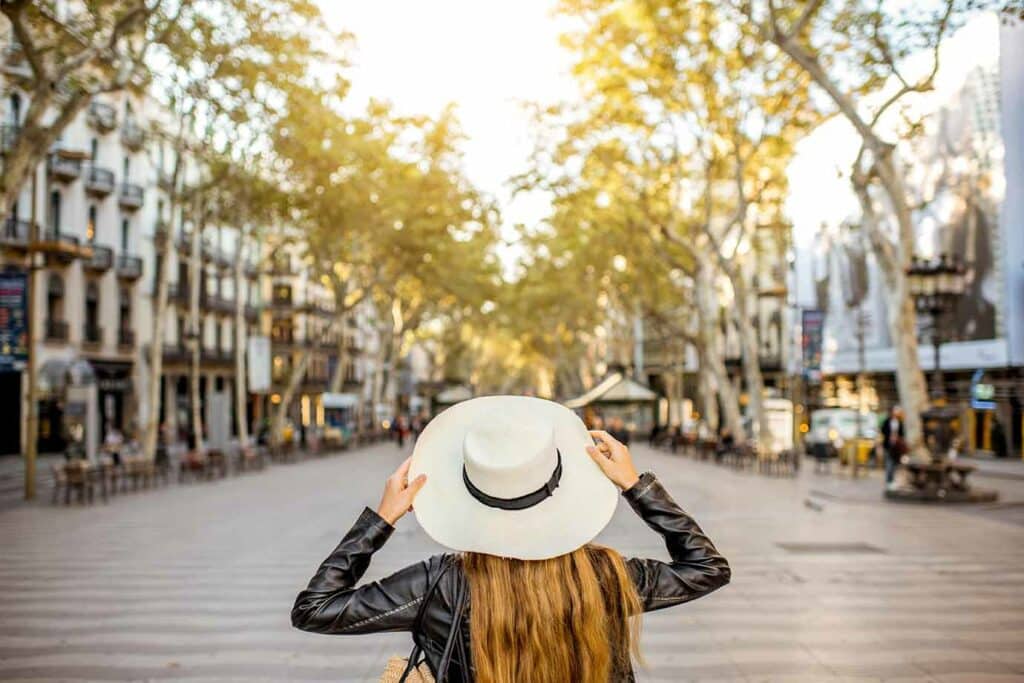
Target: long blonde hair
x=575 y=617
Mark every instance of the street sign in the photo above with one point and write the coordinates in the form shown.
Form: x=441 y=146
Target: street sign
x=982 y=394
x=13 y=319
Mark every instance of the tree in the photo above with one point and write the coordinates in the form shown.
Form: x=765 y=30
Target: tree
x=689 y=124
x=856 y=53
x=223 y=100
x=388 y=218
x=74 y=53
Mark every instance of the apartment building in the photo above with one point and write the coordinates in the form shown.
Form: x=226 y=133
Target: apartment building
x=101 y=204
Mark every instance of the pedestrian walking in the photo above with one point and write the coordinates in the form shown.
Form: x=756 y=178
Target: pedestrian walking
x=518 y=488
x=617 y=428
x=893 y=442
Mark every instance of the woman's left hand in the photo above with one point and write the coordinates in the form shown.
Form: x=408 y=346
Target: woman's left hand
x=399 y=493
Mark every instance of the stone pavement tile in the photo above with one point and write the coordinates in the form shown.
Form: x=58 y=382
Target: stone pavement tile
x=977 y=678
x=945 y=664
x=1011 y=657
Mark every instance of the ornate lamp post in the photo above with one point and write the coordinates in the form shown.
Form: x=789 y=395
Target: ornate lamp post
x=937 y=285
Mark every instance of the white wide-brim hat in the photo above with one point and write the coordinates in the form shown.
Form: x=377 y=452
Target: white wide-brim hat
x=510 y=476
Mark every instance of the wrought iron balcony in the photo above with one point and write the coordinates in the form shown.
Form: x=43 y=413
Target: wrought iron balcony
x=56 y=330
x=161 y=233
x=15 y=64
x=129 y=267
x=102 y=116
x=281 y=267
x=9 y=133
x=101 y=260
x=132 y=135
x=99 y=181
x=59 y=247
x=92 y=335
x=176 y=353
x=125 y=338
x=15 y=232
x=131 y=196
x=63 y=169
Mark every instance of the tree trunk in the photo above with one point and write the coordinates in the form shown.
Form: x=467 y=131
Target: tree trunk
x=196 y=284
x=292 y=388
x=164 y=243
x=902 y=315
x=338 y=378
x=712 y=338
x=750 y=354
x=902 y=319
x=241 y=336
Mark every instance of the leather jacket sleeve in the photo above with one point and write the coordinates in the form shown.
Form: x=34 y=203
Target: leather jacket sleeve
x=333 y=604
x=696 y=567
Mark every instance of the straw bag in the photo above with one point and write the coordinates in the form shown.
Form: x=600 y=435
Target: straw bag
x=394 y=672
x=414 y=669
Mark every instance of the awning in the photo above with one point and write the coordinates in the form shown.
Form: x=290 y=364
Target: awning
x=615 y=388
x=454 y=395
x=340 y=400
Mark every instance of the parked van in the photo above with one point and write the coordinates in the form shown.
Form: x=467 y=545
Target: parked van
x=834 y=426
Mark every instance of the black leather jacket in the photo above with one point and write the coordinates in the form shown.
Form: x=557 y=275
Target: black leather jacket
x=333 y=604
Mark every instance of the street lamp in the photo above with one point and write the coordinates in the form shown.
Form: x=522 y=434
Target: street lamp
x=936 y=285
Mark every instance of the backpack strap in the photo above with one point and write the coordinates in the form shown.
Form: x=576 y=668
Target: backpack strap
x=455 y=634
x=416 y=657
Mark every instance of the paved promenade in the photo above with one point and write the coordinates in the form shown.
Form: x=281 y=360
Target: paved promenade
x=195 y=583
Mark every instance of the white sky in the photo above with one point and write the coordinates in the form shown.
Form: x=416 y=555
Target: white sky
x=487 y=57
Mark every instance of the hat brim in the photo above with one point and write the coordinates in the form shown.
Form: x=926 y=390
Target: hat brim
x=571 y=517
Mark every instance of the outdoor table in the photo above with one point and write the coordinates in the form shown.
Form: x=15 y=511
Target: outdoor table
x=217 y=460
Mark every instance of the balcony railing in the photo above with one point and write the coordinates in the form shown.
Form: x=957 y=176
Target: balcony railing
x=15 y=232
x=101 y=260
x=132 y=135
x=59 y=246
x=56 y=330
x=9 y=133
x=63 y=169
x=102 y=116
x=176 y=353
x=129 y=267
x=125 y=338
x=92 y=335
x=161 y=233
x=15 y=63
x=252 y=311
x=280 y=267
x=131 y=196
x=99 y=181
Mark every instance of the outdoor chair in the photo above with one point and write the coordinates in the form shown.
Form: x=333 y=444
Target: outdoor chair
x=193 y=464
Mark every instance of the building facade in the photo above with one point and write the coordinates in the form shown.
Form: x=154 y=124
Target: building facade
x=99 y=207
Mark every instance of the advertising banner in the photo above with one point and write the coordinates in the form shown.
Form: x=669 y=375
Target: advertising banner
x=258 y=361
x=812 y=325
x=13 y=319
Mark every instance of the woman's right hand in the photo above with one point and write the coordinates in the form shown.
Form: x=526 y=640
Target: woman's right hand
x=613 y=457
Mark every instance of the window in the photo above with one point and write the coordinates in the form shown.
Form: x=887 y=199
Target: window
x=55 y=298
x=124 y=311
x=126 y=167
x=92 y=312
x=90 y=228
x=54 y=215
x=125 y=229
x=14 y=113
x=94 y=150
